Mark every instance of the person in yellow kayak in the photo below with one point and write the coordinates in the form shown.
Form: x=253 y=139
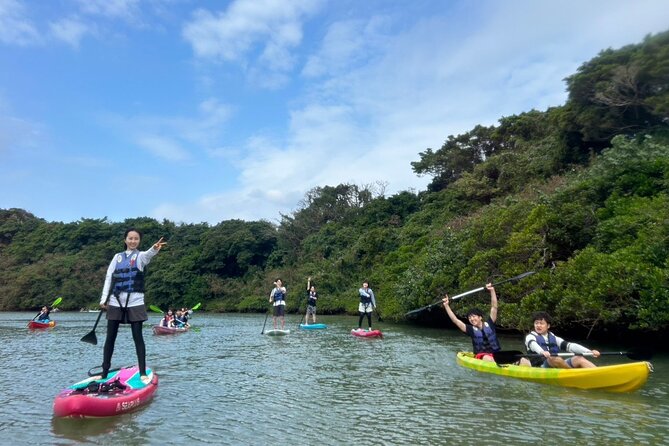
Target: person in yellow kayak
x=482 y=332
x=543 y=342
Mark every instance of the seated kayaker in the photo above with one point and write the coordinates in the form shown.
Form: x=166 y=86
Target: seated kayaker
x=483 y=333
x=167 y=320
x=543 y=342
x=180 y=321
x=44 y=315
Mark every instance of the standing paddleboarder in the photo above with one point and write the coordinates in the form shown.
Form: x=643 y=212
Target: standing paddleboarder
x=277 y=297
x=123 y=297
x=312 y=297
x=367 y=305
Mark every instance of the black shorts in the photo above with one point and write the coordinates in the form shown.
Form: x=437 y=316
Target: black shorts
x=279 y=310
x=127 y=315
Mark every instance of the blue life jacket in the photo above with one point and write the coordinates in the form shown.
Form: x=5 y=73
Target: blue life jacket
x=365 y=298
x=552 y=345
x=278 y=295
x=479 y=342
x=127 y=277
x=312 y=299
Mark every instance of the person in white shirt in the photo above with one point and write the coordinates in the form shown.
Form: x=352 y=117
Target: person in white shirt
x=543 y=342
x=123 y=297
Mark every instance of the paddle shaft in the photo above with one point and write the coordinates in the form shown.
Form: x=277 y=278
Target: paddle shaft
x=507 y=357
x=91 y=338
x=467 y=293
x=53 y=305
x=264 y=323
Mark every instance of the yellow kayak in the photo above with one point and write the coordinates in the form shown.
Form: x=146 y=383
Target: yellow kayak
x=611 y=378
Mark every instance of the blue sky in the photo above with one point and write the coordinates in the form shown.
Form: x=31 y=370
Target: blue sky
x=203 y=111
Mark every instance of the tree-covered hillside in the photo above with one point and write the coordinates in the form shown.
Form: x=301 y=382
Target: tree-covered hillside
x=577 y=193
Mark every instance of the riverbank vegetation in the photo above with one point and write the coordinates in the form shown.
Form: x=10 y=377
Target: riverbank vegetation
x=578 y=193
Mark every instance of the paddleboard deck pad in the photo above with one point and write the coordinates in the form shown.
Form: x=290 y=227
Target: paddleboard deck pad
x=366 y=334
x=277 y=332
x=313 y=326
x=121 y=392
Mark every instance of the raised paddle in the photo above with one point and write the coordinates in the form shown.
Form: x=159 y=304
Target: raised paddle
x=511 y=356
x=53 y=305
x=467 y=293
x=155 y=309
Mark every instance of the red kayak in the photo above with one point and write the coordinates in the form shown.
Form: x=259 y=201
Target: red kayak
x=366 y=334
x=38 y=325
x=122 y=391
x=160 y=330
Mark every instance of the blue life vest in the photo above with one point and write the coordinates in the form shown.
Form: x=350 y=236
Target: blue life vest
x=552 y=345
x=365 y=298
x=312 y=299
x=479 y=342
x=127 y=277
x=278 y=295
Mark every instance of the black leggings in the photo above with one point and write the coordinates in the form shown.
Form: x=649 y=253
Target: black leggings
x=112 y=331
x=369 y=319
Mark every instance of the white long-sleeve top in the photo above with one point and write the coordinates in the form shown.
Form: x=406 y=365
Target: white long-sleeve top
x=533 y=346
x=136 y=299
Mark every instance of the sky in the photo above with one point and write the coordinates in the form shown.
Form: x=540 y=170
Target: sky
x=204 y=111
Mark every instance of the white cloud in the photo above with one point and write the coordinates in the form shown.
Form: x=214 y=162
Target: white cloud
x=128 y=10
x=376 y=98
x=163 y=147
x=15 y=27
x=70 y=30
x=255 y=32
x=175 y=138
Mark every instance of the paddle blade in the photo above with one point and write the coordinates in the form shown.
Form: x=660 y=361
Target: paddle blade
x=640 y=355
x=90 y=338
x=197 y=305
x=56 y=302
x=156 y=309
x=507 y=356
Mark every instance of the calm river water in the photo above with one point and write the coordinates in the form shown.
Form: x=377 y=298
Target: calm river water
x=225 y=383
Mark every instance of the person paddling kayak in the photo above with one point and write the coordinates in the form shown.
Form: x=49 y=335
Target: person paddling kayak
x=544 y=342
x=44 y=315
x=483 y=333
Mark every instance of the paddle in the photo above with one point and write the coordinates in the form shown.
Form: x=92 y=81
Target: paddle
x=263 y=325
x=53 y=305
x=467 y=293
x=511 y=356
x=378 y=315
x=90 y=337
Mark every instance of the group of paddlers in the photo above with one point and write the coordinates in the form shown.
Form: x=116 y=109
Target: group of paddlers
x=176 y=319
x=277 y=297
x=541 y=343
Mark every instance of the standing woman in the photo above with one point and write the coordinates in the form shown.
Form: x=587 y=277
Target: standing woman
x=123 y=297
x=366 y=305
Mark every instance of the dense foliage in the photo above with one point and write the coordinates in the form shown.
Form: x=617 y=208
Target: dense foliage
x=578 y=193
